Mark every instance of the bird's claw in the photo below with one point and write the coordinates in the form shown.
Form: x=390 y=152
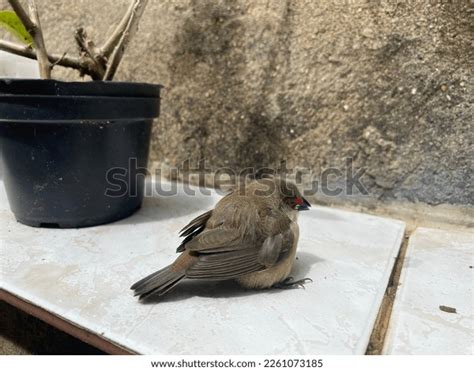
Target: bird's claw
x=288 y=283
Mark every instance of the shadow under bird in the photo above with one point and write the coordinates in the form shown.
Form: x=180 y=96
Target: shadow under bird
x=250 y=236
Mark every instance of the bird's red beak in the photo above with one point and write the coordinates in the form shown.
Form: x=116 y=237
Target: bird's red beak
x=302 y=204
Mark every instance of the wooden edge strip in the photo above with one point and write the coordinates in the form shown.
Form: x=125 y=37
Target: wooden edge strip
x=62 y=324
x=380 y=329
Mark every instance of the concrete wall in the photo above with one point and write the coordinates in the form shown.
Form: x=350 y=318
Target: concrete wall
x=251 y=83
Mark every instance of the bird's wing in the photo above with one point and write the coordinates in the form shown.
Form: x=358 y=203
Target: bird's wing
x=279 y=238
x=193 y=228
x=224 y=253
x=214 y=230
x=196 y=223
x=220 y=236
x=225 y=265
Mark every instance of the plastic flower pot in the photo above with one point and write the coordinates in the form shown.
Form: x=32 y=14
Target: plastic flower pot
x=74 y=153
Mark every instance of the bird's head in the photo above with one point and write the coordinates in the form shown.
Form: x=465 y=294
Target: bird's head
x=291 y=196
x=281 y=191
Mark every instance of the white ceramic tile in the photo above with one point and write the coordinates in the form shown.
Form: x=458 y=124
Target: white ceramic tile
x=84 y=276
x=437 y=272
x=15 y=66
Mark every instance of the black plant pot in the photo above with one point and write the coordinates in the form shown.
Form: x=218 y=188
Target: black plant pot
x=74 y=153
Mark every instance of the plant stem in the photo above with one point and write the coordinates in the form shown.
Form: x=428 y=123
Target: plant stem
x=109 y=46
x=43 y=60
x=82 y=65
x=87 y=47
x=98 y=63
x=33 y=26
x=24 y=17
x=128 y=32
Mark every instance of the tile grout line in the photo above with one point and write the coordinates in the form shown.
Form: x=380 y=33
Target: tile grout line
x=377 y=338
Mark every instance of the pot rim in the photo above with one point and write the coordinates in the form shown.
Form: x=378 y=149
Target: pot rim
x=41 y=87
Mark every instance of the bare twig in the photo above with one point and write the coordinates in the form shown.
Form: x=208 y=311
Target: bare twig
x=37 y=33
x=87 y=47
x=58 y=61
x=83 y=65
x=109 y=46
x=24 y=17
x=33 y=26
x=129 y=31
x=99 y=63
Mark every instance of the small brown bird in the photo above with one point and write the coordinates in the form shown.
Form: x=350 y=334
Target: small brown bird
x=250 y=236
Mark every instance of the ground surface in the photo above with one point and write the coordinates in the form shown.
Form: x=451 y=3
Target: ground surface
x=22 y=334
x=433 y=309
x=83 y=276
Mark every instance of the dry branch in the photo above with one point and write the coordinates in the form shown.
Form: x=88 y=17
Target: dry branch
x=62 y=60
x=37 y=34
x=88 y=49
x=130 y=29
x=33 y=26
x=99 y=63
x=107 y=49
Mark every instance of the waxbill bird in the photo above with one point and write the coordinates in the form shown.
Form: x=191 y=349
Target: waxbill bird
x=250 y=236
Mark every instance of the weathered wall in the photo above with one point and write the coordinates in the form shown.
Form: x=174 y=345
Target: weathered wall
x=251 y=83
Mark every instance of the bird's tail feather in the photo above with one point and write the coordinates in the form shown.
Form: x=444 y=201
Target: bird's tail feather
x=158 y=283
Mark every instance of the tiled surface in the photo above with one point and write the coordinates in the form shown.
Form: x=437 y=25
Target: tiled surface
x=84 y=276
x=437 y=272
x=17 y=67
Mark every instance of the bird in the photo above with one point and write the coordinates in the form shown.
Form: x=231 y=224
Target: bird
x=250 y=236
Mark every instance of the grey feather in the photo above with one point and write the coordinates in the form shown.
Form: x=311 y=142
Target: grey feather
x=159 y=282
x=225 y=265
x=270 y=250
x=196 y=223
x=215 y=240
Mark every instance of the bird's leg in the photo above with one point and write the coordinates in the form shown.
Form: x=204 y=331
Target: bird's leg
x=288 y=283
